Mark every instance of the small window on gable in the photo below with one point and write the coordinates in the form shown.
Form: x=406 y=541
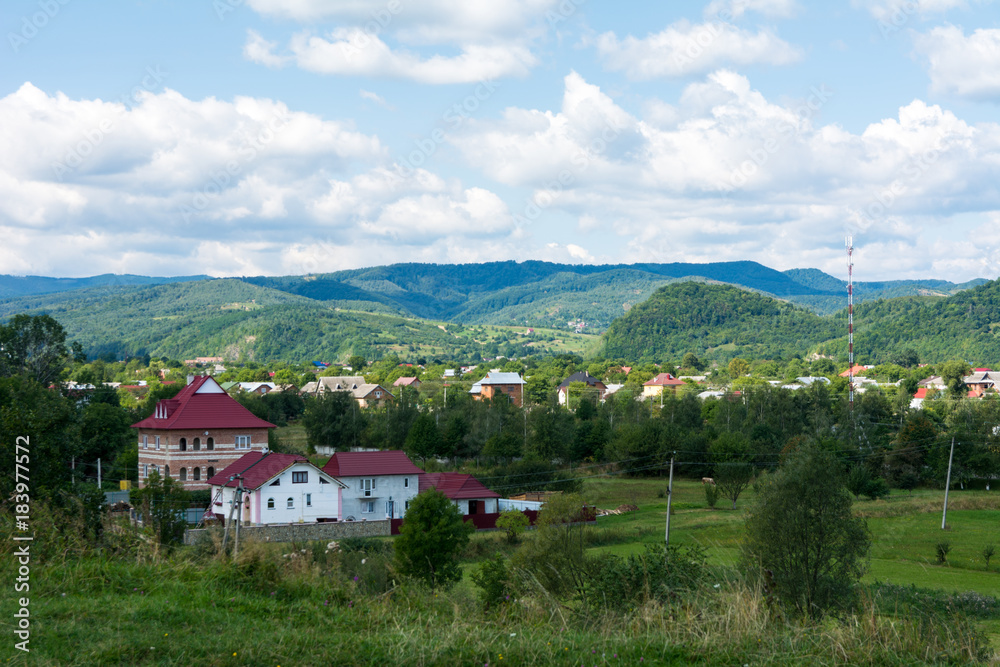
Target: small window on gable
x=323 y=480
x=270 y=503
x=276 y=482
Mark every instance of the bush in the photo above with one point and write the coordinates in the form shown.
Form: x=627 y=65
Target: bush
x=513 y=522
x=876 y=488
x=814 y=570
x=657 y=574
x=711 y=495
x=493 y=579
x=431 y=539
x=941 y=551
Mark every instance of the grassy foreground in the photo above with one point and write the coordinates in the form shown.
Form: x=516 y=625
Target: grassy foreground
x=315 y=607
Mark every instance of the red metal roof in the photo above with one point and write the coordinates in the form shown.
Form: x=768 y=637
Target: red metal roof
x=364 y=464
x=664 y=379
x=455 y=486
x=921 y=393
x=201 y=405
x=257 y=468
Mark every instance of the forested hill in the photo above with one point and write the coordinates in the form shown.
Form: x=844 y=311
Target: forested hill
x=718 y=322
x=15 y=286
x=714 y=322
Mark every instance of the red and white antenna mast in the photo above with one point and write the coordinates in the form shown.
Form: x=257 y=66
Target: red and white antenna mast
x=850 y=321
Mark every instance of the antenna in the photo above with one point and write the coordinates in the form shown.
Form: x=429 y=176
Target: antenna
x=850 y=322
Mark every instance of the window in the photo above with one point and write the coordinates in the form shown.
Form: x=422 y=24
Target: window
x=184 y=444
x=183 y=474
x=309 y=500
x=276 y=482
x=300 y=477
x=157 y=442
x=368 y=486
x=323 y=481
x=406 y=505
x=145 y=442
x=291 y=503
x=145 y=470
x=210 y=444
x=154 y=467
x=196 y=445
x=197 y=474
x=243 y=442
x=166 y=471
x=211 y=472
x=270 y=503
x=406 y=482
x=378 y=394
x=368 y=507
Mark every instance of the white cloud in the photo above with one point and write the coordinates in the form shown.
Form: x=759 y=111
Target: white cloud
x=376 y=98
x=967 y=66
x=729 y=174
x=897 y=12
x=493 y=38
x=684 y=48
x=737 y=8
x=174 y=185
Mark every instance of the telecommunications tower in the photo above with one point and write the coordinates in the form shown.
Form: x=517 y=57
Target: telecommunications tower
x=850 y=321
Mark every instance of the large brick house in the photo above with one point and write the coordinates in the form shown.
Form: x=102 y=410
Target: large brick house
x=198 y=432
x=496 y=383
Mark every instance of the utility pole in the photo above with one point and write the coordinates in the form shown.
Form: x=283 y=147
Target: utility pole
x=947 y=484
x=239 y=518
x=229 y=521
x=670 y=496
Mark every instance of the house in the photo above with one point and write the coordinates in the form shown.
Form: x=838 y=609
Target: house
x=933 y=382
x=365 y=393
x=656 y=386
x=496 y=383
x=981 y=381
x=807 y=380
x=917 y=402
x=857 y=369
x=378 y=485
x=262 y=388
x=464 y=490
x=407 y=382
x=199 y=431
x=279 y=488
x=585 y=377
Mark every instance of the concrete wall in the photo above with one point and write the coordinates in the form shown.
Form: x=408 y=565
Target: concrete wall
x=299 y=532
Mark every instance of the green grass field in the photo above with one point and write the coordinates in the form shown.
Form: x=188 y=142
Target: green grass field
x=185 y=608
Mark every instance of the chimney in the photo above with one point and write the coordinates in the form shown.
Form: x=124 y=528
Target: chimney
x=190 y=379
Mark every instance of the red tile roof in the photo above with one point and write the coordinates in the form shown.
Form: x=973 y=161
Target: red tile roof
x=664 y=380
x=921 y=393
x=858 y=370
x=257 y=468
x=363 y=464
x=201 y=405
x=455 y=486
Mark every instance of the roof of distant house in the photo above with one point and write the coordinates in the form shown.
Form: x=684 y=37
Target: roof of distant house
x=362 y=464
x=496 y=378
x=201 y=404
x=455 y=486
x=663 y=380
x=258 y=468
x=405 y=382
x=858 y=369
x=582 y=376
x=921 y=393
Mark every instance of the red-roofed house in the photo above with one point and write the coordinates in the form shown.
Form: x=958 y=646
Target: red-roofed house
x=858 y=370
x=407 y=382
x=279 y=488
x=464 y=490
x=201 y=430
x=656 y=386
x=379 y=485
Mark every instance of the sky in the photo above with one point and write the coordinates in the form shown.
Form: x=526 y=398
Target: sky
x=279 y=137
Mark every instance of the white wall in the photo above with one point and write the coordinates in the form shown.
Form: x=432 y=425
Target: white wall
x=324 y=499
x=401 y=488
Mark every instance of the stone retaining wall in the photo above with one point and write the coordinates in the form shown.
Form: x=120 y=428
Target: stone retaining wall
x=300 y=532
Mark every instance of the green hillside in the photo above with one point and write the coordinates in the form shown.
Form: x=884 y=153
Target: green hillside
x=235 y=319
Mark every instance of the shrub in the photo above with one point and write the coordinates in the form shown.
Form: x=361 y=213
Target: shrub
x=941 y=551
x=513 y=522
x=493 y=579
x=814 y=570
x=431 y=539
x=858 y=480
x=876 y=488
x=657 y=574
x=711 y=495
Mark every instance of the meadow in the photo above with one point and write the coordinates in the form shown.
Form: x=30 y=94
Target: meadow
x=301 y=604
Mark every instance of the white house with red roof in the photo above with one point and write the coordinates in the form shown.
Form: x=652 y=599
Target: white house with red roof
x=379 y=485
x=464 y=490
x=198 y=432
x=278 y=488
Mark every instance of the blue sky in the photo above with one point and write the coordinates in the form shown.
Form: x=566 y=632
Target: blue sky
x=244 y=137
